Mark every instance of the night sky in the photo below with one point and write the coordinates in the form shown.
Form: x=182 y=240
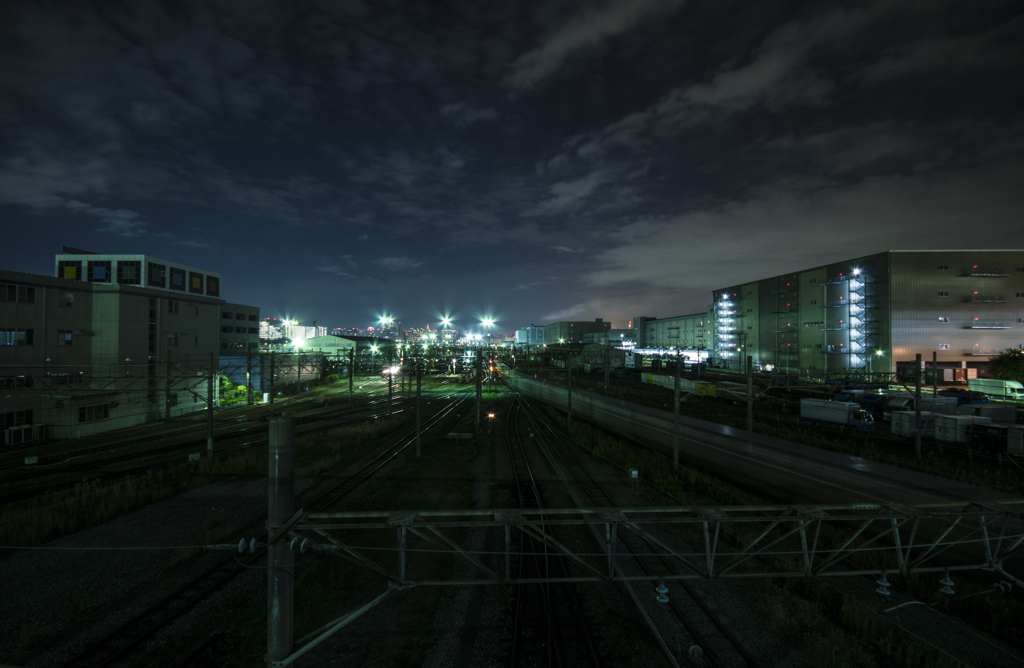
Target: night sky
x=534 y=161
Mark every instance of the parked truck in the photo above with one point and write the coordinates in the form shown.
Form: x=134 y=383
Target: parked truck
x=823 y=411
x=1010 y=389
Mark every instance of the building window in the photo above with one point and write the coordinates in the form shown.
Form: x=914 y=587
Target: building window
x=227 y=316
x=943 y=319
x=172 y=306
x=943 y=293
x=71 y=270
x=213 y=286
x=225 y=329
x=195 y=283
x=223 y=345
x=239 y=316
x=156 y=275
x=943 y=267
x=99 y=271
x=253 y=318
x=1020 y=294
x=94 y=413
x=943 y=346
x=253 y=330
x=129 y=272
x=64 y=337
x=67 y=299
x=177 y=279
x=17 y=337
x=172 y=339
x=239 y=330
x=16 y=419
x=21 y=294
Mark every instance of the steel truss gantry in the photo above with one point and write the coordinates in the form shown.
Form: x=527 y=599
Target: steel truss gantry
x=833 y=540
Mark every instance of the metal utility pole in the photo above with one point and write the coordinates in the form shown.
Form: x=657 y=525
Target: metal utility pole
x=248 y=379
x=351 y=372
x=750 y=399
x=419 y=376
x=280 y=508
x=917 y=408
x=568 y=403
x=391 y=381
x=479 y=389
x=675 y=432
x=935 y=373
x=209 y=411
x=272 y=373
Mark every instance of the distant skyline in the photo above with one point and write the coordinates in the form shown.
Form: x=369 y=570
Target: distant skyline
x=530 y=162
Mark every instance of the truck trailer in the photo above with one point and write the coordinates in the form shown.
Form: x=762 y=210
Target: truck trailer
x=823 y=411
x=1010 y=389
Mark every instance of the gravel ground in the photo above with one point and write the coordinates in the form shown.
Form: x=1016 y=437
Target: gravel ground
x=57 y=600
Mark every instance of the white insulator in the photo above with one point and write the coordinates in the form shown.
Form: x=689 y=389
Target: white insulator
x=241 y=546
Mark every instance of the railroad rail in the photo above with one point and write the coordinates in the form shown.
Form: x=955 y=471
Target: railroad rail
x=540 y=609
x=120 y=644
x=702 y=626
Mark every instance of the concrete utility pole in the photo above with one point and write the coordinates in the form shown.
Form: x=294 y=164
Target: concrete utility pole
x=209 y=410
x=568 y=404
x=248 y=379
x=917 y=408
x=272 y=373
x=750 y=399
x=391 y=380
x=419 y=376
x=479 y=389
x=675 y=433
x=280 y=508
x=935 y=373
x=607 y=366
x=351 y=372
x=167 y=391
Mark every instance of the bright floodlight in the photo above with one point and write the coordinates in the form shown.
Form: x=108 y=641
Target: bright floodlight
x=373 y=348
x=487 y=322
x=446 y=321
x=298 y=343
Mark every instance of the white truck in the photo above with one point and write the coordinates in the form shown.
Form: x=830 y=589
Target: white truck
x=823 y=411
x=1010 y=389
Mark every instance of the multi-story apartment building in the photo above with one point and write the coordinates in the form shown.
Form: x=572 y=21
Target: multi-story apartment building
x=876 y=312
x=111 y=341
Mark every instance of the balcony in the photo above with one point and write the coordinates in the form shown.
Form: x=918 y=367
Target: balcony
x=979 y=299
x=837 y=303
x=977 y=324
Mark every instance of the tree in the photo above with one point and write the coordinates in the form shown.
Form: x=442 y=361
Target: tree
x=1008 y=366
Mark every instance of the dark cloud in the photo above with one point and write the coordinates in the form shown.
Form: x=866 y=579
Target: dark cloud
x=530 y=161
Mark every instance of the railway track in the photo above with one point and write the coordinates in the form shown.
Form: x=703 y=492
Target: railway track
x=27 y=482
x=549 y=627
x=701 y=626
x=120 y=645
